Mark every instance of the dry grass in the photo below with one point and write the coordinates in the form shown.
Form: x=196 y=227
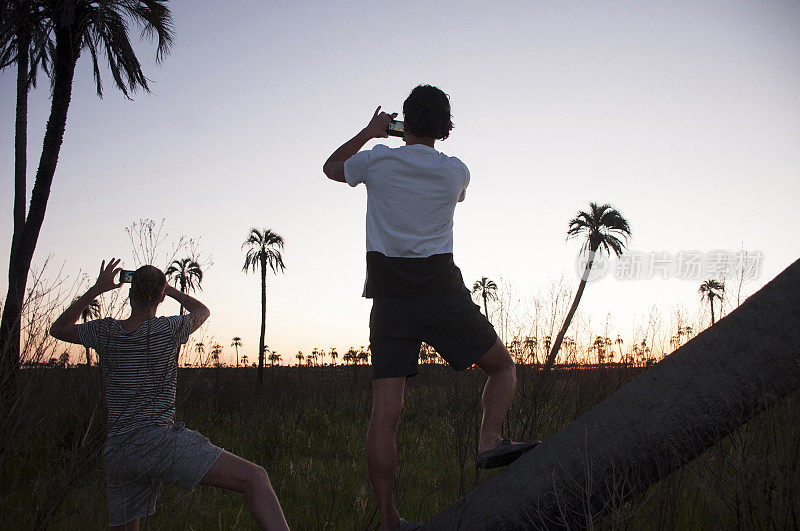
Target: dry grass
x=306 y=426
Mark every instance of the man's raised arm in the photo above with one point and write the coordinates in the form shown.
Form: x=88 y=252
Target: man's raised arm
x=198 y=312
x=64 y=328
x=334 y=166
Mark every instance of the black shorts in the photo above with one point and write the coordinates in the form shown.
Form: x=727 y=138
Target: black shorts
x=452 y=324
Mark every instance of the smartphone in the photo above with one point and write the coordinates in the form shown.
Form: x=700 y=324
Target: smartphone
x=126 y=276
x=395 y=128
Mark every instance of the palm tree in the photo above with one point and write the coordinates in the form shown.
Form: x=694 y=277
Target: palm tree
x=99 y=26
x=244 y=360
x=263 y=249
x=216 y=352
x=200 y=348
x=712 y=289
x=660 y=421
x=605 y=230
x=26 y=38
x=487 y=289
x=274 y=358
x=236 y=343
x=186 y=274
x=299 y=357
x=530 y=344
x=90 y=312
x=334 y=356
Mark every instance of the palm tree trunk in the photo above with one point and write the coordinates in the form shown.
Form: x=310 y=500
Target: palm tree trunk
x=663 y=419
x=88 y=358
x=183 y=290
x=551 y=358
x=20 y=261
x=485 y=310
x=12 y=310
x=263 y=319
x=711 y=303
x=21 y=137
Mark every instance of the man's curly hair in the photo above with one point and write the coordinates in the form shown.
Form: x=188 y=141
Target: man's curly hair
x=426 y=113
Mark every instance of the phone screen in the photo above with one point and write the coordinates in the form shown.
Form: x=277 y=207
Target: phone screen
x=395 y=128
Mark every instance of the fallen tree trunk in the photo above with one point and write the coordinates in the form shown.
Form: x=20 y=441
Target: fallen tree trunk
x=651 y=427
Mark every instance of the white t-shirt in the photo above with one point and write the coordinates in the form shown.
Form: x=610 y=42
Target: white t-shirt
x=412 y=193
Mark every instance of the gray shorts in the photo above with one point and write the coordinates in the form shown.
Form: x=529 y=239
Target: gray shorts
x=138 y=462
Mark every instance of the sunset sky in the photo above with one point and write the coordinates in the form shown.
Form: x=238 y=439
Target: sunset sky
x=683 y=115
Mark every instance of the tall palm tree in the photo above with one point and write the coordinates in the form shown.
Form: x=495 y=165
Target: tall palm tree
x=334 y=356
x=90 y=312
x=712 y=289
x=604 y=230
x=662 y=420
x=26 y=39
x=96 y=26
x=487 y=289
x=263 y=250
x=236 y=342
x=186 y=275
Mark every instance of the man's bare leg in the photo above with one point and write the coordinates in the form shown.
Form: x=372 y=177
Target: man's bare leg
x=239 y=475
x=387 y=402
x=497 y=393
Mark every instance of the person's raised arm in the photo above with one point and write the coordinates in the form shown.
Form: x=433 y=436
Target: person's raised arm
x=198 y=312
x=334 y=166
x=65 y=327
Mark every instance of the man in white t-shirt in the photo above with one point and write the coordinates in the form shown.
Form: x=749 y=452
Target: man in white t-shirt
x=417 y=290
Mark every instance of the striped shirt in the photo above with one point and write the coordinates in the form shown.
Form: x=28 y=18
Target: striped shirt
x=140 y=368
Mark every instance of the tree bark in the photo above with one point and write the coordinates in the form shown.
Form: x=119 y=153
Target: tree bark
x=21 y=137
x=551 y=357
x=666 y=417
x=711 y=303
x=183 y=290
x=20 y=259
x=263 y=319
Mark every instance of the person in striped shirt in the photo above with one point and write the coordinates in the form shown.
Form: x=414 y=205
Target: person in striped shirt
x=144 y=446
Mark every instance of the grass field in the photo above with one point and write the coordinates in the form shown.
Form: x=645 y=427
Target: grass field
x=306 y=426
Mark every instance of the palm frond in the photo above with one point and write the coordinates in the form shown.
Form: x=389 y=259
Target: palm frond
x=264 y=247
x=603 y=227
